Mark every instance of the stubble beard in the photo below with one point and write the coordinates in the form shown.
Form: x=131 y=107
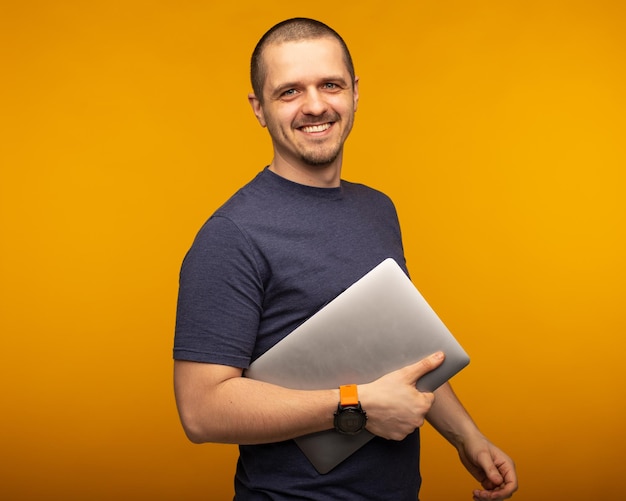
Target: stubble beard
x=320 y=157
x=323 y=154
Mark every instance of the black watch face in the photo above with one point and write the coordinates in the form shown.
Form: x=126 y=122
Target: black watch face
x=350 y=421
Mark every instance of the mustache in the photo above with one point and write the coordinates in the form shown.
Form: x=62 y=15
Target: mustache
x=325 y=118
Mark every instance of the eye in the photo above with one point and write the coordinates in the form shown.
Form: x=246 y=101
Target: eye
x=330 y=86
x=289 y=93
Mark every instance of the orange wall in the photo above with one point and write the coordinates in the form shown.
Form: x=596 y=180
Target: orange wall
x=498 y=129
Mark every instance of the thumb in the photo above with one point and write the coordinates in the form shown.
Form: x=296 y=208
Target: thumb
x=425 y=365
x=494 y=477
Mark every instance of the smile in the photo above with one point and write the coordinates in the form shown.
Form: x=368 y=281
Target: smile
x=316 y=128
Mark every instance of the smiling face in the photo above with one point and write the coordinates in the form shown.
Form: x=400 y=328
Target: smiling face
x=309 y=100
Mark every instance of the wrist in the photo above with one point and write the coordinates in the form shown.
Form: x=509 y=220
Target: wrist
x=350 y=418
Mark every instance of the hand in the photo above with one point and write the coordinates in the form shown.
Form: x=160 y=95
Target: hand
x=394 y=406
x=491 y=467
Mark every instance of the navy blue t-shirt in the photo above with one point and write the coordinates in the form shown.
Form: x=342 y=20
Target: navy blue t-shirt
x=267 y=260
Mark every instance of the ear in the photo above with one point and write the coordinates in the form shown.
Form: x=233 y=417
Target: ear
x=356 y=93
x=257 y=109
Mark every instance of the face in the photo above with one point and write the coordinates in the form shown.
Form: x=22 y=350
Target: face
x=309 y=102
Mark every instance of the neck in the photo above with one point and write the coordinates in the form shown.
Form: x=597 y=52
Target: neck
x=317 y=176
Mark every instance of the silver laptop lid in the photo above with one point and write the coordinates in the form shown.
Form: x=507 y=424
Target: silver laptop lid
x=379 y=324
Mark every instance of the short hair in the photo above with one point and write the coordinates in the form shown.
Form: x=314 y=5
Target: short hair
x=292 y=30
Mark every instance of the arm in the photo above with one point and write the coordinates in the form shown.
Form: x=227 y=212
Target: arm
x=217 y=404
x=488 y=464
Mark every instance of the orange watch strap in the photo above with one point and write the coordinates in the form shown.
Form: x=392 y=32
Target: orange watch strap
x=348 y=395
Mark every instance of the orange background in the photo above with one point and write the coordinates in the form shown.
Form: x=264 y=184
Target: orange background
x=497 y=128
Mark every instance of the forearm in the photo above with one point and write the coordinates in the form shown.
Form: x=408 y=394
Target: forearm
x=216 y=404
x=449 y=417
x=487 y=463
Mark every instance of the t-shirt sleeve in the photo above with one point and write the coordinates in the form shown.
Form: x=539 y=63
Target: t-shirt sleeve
x=219 y=299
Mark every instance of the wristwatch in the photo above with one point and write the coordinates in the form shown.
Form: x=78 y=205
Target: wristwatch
x=350 y=417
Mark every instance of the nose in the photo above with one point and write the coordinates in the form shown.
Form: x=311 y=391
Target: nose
x=314 y=104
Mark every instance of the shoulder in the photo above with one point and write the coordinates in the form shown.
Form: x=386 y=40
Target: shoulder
x=353 y=187
x=249 y=194
x=365 y=192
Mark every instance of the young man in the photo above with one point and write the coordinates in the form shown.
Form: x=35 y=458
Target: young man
x=280 y=248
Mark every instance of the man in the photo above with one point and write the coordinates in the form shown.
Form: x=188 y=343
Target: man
x=281 y=247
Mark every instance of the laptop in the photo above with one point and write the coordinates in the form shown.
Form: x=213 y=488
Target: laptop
x=377 y=325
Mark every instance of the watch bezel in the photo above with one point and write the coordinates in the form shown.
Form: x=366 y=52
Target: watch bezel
x=344 y=417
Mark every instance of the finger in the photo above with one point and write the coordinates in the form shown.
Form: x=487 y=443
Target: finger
x=492 y=472
x=497 y=494
x=500 y=482
x=425 y=365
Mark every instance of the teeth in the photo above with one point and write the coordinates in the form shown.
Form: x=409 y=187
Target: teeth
x=316 y=128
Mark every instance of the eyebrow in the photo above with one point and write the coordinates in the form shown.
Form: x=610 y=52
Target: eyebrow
x=283 y=87
x=291 y=85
